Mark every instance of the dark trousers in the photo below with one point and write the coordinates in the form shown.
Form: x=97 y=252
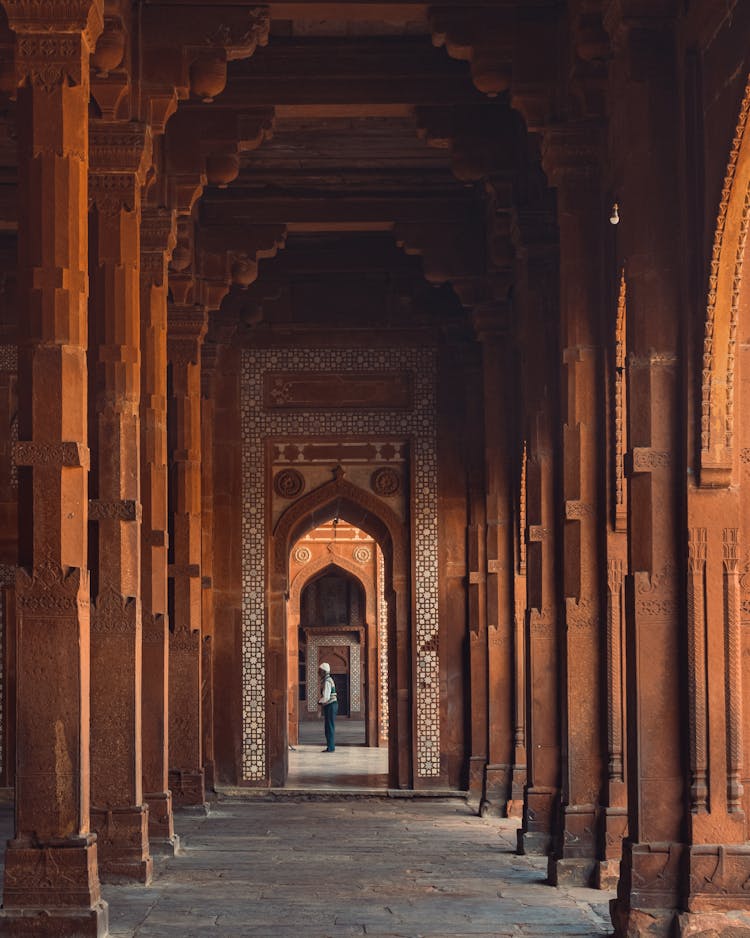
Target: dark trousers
x=329 y=715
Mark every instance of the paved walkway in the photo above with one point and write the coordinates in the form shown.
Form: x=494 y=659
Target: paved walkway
x=351 y=766
x=383 y=867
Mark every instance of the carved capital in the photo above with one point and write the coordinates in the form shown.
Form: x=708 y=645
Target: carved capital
x=52 y=590
x=119 y=147
x=186 y=329
x=54 y=39
x=113 y=613
x=731 y=549
x=572 y=153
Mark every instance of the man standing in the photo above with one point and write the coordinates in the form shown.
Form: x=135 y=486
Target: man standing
x=329 y=703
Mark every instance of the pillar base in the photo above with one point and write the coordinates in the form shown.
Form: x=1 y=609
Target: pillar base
x=514 y=808
x=160 y=816
x=648 y=894
x=607 y=874
x=713 y=925
x=534 y=843
x=571 y=871
x=477 y=766
x=59 y=876
x=188 y=788
x=55 y=923
x=495 y=799
x=535 y=836
x=642 y=923
x=573 y=860
x=165 y=846
x=122 y=842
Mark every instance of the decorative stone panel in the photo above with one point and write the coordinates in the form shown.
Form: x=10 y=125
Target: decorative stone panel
x=262 y=421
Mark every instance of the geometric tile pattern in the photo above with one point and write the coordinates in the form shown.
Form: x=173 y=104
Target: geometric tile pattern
x=259 y=423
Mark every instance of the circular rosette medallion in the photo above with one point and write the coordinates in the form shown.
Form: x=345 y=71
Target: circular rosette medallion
x=302 y=555
x=362 y=554
x=289 y=483
x=385 y=482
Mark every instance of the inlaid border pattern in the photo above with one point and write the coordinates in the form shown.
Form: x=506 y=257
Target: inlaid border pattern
x=382 y=645
x=355 y=674
x=258 y=424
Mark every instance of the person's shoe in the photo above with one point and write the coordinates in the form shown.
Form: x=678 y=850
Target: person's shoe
x=328 y=750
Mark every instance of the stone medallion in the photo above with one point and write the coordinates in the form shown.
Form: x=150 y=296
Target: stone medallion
x=385 y=482
x=289 y=483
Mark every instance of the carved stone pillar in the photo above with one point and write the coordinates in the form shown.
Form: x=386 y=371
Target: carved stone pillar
x=476 y=534
x=497 y=376
x=571 y=156
x=541 y=625
x=186 y=330
x=208 y=369
x=644 y=101
x=120 y=153
x=615 y=811
x=51 y=883
x=157 y=241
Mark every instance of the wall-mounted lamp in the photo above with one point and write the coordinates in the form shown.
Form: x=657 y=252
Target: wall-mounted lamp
x=614 y=218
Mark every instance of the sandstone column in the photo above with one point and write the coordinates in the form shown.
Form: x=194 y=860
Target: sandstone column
x=543 y=706
x=476 y=535
x=208 y=406
x=120 y=153
x=186 y=330
x=157 y=241
x=490 y=324
x=51 y=884
x=645 y=127
x=571 y=155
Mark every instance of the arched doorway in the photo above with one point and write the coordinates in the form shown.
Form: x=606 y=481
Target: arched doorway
x=337 y=612
x=347 y=503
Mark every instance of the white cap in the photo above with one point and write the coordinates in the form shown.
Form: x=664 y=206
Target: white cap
x=324 y=666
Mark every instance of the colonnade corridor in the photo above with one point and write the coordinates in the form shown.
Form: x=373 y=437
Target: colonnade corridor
x=394 y=868
x=408 y=337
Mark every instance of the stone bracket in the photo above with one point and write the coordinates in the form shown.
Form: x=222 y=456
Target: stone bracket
x=191 y=570
x=126 y=509
x=156 y=538
x=30 y=453
x=644 y=459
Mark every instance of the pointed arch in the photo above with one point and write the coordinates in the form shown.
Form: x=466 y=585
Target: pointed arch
x=340 y=498
x=720 y=330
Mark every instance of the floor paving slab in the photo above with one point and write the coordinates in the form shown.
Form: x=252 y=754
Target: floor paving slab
x=406 y=868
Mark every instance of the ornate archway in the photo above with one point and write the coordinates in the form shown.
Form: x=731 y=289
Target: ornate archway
x=339 y=498
x=364 y=620
x=717 y=405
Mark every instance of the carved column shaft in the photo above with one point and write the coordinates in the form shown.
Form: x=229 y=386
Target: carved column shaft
x=644 y=134
x=187 y=328
x=157 y=241
x=52 y=861
x=571 y=160
x=119 y=155
x=208 y=368
x=476 y=534
x=498 y=386
x=543 y=703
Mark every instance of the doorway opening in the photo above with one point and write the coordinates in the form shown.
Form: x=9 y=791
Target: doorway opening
x=337 y=612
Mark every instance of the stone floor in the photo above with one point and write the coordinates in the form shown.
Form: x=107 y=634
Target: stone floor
x=290 y=868
x=351 y=767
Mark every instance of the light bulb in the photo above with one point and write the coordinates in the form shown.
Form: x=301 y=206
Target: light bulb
x=614 y=218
